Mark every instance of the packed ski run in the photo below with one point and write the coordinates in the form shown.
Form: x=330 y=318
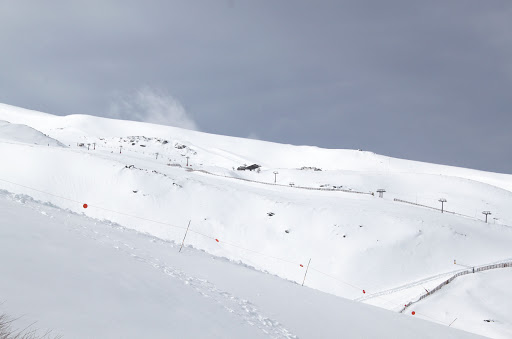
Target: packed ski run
x=274 y=208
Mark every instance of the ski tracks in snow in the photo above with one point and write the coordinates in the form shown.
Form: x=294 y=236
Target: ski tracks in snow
x=241 y=308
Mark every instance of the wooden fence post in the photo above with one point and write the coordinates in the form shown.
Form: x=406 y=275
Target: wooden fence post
x=185 y=236
x=306 y=272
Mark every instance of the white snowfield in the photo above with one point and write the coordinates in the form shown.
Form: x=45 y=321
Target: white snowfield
x=483 y=298
x=391 y=250
x=24 y=134
x=87 y=279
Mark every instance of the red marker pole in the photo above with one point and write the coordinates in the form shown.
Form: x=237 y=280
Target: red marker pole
x=306 y=272
x=85 y=206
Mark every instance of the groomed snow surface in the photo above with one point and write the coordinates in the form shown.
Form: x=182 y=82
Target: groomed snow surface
x=136 y=175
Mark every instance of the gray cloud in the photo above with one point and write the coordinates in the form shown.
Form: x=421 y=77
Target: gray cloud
x=421 y=80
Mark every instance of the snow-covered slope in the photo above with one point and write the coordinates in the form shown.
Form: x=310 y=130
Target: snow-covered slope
x=136 y=174
x=480 y=303
x=25 y=134
x=233 y=150
x=86 y=279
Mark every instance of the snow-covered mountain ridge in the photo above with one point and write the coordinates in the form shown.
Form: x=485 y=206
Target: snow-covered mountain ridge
x=355 y=242
x=233 y=149
x=25 y=134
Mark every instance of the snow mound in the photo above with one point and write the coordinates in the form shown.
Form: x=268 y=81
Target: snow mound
x=26 y=135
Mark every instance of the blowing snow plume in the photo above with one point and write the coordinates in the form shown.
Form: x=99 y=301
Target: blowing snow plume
x=150 y=105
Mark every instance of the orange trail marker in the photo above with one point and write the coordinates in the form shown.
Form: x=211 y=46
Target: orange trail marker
x=85 y=206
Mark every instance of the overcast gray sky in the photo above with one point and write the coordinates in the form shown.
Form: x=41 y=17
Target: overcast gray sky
x=423 y=80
